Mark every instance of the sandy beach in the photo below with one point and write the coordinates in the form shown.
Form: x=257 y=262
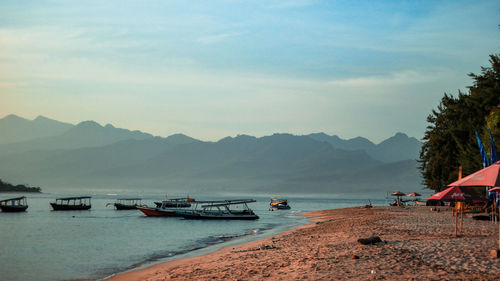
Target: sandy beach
x=418 y=244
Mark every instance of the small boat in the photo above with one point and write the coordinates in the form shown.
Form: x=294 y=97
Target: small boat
x=220 y=210
x=281 y=204
x=17 y=204
x=72 y=203
x=152 y=212
x=175 y=203
x=167 y=208
x=126 y=203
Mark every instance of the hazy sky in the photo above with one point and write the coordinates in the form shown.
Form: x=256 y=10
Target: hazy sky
x=210 y=69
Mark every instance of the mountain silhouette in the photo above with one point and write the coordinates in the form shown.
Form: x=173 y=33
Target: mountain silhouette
x=89 y=155
x=17 y=129
x=396 y=148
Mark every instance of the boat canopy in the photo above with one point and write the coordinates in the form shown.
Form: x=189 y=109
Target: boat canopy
x=226 y=202
x=74 y=198
x=13 y=199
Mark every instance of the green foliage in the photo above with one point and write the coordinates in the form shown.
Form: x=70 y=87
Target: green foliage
x=7 y=187
x=450 y=140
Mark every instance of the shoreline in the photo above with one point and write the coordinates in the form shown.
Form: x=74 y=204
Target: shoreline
x=419 y=245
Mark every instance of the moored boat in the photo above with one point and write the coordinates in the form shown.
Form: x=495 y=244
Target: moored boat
x=220 y=210
x=17 y=204
x=167 y=208
x=127 y=203
x=72 y=203
x=152 y=212
x=279 y=204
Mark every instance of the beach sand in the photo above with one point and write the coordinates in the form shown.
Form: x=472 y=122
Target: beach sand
x=419 y=245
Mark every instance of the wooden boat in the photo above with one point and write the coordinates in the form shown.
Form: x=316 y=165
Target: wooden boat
x=152 y=212
x=167 y=208
x=17 y=204
x=279 y=204
x=72 y=203
x=220 y=210
x=175 y=203
x=127 y=203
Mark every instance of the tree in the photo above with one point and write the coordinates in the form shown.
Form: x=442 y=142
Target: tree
x=450 y=139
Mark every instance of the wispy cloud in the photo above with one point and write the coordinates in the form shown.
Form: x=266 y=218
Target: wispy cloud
x=216 y=38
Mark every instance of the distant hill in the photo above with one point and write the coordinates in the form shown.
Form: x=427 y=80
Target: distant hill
x=396 y=148
x=85 y=134
x=358 y=143
x=7 y=187
x=92 y=156
x=17 y=129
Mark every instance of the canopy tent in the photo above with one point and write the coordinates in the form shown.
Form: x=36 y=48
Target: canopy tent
x=489 y=176
x=453 y=193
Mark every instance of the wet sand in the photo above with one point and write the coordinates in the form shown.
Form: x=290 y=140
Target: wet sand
x=419 y=244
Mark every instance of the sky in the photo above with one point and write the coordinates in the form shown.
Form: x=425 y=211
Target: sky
x=210 y=69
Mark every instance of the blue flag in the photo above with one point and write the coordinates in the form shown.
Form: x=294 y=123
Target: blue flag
x=493 y=151
x=484 y=156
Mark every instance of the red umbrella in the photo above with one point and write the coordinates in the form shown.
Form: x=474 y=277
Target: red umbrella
x=497 y=189
x=414 y=194
x=451 y=193
x=489 y=176
x=398 y=193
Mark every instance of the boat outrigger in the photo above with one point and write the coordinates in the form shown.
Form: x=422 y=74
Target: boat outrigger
x=72 y=203
x=126 y=203
x=279 y=204
x=17 y=204
x=220 y=210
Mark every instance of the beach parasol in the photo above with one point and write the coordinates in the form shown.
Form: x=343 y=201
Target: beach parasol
x=398 y=194
x=497 y=189
x=414 y=194
x=453 y=193
x=489 y=176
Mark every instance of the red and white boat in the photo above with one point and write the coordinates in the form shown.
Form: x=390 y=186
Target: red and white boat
x=167 y=208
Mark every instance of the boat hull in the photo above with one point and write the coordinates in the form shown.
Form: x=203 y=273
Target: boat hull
x=119 y=206
x=204 y=216
x=59 y=207
x=13 y=209
x=280 y=207
x=155 y=212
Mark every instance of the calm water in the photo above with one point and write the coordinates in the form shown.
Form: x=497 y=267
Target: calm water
x=41 y=244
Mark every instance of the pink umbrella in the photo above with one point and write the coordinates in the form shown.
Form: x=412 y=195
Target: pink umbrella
x=453 y=193
x=489 y=176
x=497 y=189
x=414 y=194
x=397 y=194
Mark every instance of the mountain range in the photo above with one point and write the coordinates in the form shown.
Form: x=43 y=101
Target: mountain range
x=57 y=156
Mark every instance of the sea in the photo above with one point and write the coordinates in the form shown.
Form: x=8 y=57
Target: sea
x=41 y=244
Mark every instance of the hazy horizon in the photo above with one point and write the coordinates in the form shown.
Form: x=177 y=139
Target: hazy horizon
x=218 y=139
x=220 y=68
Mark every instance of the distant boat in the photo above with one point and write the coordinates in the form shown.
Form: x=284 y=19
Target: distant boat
x=72 y=203
x=17 y=204
x=220 y=210
x=126 y=203
x=175 y=203
x=279 y=204
x=167 y=208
